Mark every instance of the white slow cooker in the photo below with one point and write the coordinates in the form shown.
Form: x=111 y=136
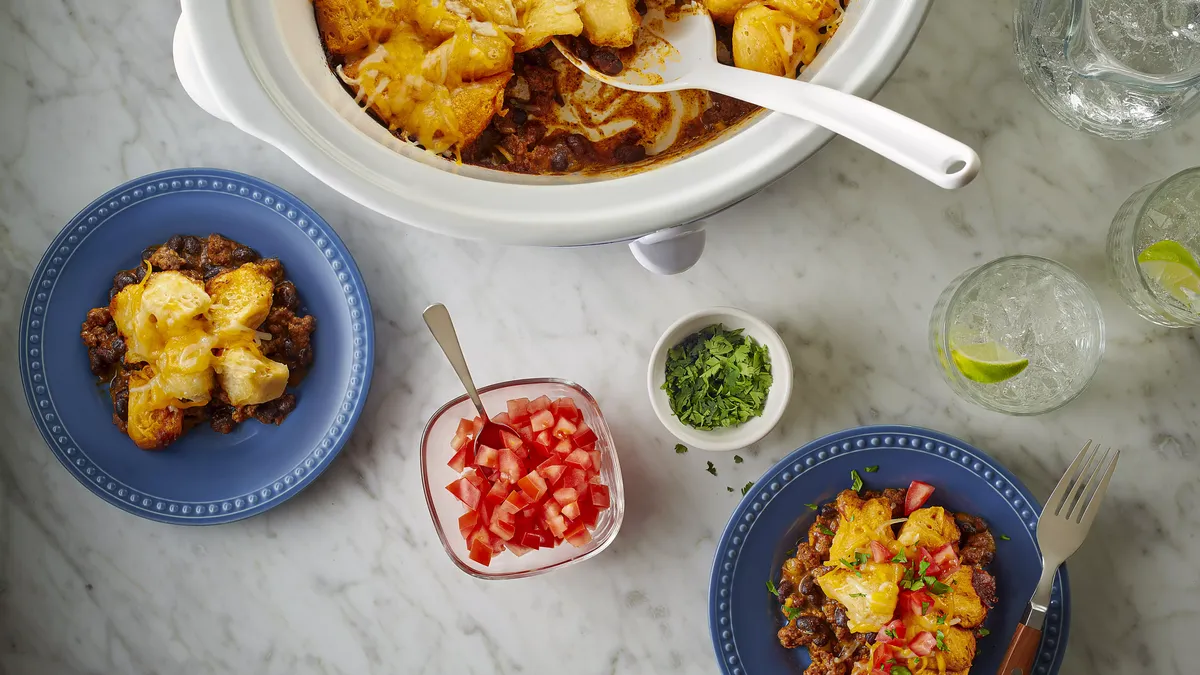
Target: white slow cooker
x=258 y=64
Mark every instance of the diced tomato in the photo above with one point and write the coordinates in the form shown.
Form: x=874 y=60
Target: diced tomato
x=544 y=439
x=564 y=447
x=487 y=457
x=467 y=523
x=891 y=633
x=564 y=428
x=517 y=500
x=502 y=528
x=531 y=540
x=947 y=561
x=465 y=428
x=551 y=509
x=594 y=455
x=478 y=481
x=883 y=652
x=552 y=473
x=588 y=514
x=918 y=493
x=533 y=485
x=584 y=434
x=466 y=492
x=600 y=497
x=578 y=535
x=566 y=495
x=914 y=603
x=580 y=459
x=526 y=433
x=574 y=477
x=481 y=552
x=502 y=418
x=923 y=555
x=923 y=644
x=476 y=427
x=459 y=461
x=877 y=671
x=541 y=420
x=511 y=466
x=565 y=407
x=557 y=525
x=459 y=441
x=518 y=409
x=498 y=492
x=879 y=552
x=511 y=440
x=571 y=511
x=539 y=404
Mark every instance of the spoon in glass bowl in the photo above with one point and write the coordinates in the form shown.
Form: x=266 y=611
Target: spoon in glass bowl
x=676 y=53
x=437 y=317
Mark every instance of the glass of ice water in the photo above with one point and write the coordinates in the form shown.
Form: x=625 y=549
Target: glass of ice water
x=1117 y=68
x=1154 y=249
x=1020 y=335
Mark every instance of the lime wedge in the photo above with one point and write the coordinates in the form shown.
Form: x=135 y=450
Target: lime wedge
x=988 y=363
x=1173 y=267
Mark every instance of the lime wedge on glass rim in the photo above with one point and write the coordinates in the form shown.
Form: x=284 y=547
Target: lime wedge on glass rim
x=1170 y=265
x=988 y=362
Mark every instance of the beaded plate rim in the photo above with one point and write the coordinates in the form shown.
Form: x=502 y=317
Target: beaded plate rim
x=40 y=293
x=863 y=439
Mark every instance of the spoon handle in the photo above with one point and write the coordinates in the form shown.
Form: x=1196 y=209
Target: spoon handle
x=437 y=317
x=918 y=148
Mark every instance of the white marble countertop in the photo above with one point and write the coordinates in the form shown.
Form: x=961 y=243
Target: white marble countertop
x=845 y=256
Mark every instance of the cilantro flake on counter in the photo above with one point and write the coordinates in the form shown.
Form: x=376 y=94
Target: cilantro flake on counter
x=680 y=448
x=711 y=469
x=746 y=487
x=737 y=459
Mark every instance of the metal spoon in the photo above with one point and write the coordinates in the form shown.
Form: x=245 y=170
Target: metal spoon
x=681 y=53
x=437 y=317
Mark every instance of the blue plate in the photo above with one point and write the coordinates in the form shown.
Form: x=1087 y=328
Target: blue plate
x=744 y=617
x=205 y=477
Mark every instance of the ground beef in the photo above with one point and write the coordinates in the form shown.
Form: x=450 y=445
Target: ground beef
x=985 y=587
x=896 y=497
x=105 y=346
x=804 y=631
x=969 y=524
x=290 y=342
x=977 y=549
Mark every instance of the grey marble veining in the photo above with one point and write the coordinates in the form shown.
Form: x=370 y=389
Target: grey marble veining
x=846 y=256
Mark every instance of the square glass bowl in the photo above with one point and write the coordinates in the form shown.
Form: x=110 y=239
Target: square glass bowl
x=445 y=508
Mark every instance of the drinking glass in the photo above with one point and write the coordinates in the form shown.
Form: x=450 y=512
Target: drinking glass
x=1153 y=249
x=1117 y=68
x=1036 y=310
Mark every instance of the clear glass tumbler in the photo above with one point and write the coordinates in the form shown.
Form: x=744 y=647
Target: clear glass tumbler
x=1117 y=68
x=1153 y=249
x=1020 y=335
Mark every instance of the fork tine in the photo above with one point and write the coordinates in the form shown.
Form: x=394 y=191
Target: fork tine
x=1097 y=496
x=1083 y=487
x=1059 y=496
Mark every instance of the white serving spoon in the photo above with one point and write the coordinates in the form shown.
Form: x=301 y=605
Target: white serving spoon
x=673 y=54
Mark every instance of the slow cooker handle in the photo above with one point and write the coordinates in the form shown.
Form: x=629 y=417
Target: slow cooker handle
x=672 y=250
x=189 y=71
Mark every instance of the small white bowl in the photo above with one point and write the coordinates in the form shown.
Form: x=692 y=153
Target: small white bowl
x=733 y=438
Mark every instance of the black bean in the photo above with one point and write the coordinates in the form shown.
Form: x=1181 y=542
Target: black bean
x=810 y=590
x=828 y=510
x=118 y=344
x=286 y=296
x=244 y=254
x=288 y=346
x=175 y=243
x=583 y=49
x=627 y=154
x=139 y=274
x=110 y=328
x=148 y=252
x=193 y=245
x=579 y=144
x=123 y=279
x=560 y=158
x=607 y=61
x=840 y=618
x=121 y=404
x=211 y=271
x=786 y=588
x=517 y=115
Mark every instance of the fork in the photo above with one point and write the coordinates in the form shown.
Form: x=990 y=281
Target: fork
x=1062 y=527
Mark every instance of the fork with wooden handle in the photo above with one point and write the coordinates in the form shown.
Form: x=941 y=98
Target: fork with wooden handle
x=1064 y=524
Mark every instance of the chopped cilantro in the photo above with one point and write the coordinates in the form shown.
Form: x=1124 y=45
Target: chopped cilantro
x=791 y=613
x=728 y=489
x=941 y=640
x=983 y=632
x=858 y=595
x=899 y=557
x=852 y=519
x=717 y=378
x=746 y=487
x=900 y=670
x=871 y=469
x=791 y=553
x=826 y=530
x=711 y=469
x=916 y=586
x=680 y=448
x=737 y=459
x=921 y=568
x=856 y=483
x=941 y=619
x=811 y=507
x=860 y=558
x=937 y=588
x=924 y=608
x=1004 y=537
x=890 y=633
x=845 y=562
x=771 y=587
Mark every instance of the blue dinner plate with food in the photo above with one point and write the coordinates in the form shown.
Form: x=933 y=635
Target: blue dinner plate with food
x=196 y=346
x=888 y=550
